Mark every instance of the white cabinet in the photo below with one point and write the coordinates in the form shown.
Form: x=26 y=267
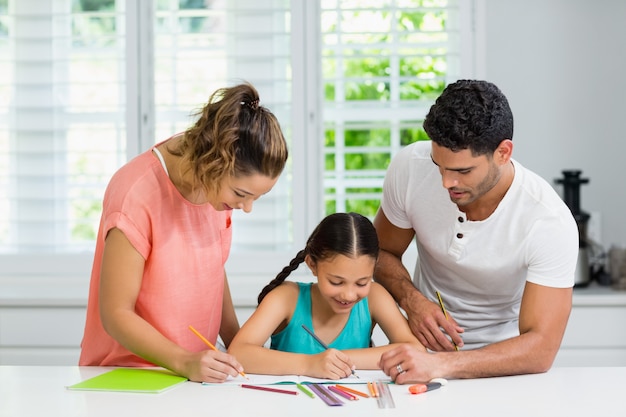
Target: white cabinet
x=595 y=333
x=43 y=332
x=40 y=335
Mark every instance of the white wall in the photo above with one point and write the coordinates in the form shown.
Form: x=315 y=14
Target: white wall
x=562 y=64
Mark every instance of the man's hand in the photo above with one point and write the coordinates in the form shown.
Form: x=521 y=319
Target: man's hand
x=405 y=364
x=430 y=326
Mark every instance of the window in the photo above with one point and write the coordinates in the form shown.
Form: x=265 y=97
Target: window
x=85 y=85
x=383 y=64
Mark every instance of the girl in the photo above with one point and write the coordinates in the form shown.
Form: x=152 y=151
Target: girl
x=341 y=308
x=165 y=235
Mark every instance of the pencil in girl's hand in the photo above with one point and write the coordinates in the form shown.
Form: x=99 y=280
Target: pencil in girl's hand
x=209 y=344
x=321 y=342
x=314 y=336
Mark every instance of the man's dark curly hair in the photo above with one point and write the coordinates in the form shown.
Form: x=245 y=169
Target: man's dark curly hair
x=470 y=114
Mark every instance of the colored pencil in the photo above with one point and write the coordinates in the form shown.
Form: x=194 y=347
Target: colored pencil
x=325 y=395
x=306 y=391
x=209 y=344
x=280 y=391
x=385 y=400
x=321 y=342
x=372 y=388
x=343 y=393
x=445 y=313
x=352 y=391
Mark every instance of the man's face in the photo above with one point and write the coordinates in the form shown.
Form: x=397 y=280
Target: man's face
x=466 y=177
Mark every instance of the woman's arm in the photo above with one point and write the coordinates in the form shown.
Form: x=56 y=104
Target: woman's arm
x=120 y=283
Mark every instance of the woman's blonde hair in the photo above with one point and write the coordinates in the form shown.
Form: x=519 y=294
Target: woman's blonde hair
x=233 y=136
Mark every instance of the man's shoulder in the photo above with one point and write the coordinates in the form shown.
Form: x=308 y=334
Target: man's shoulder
x=412 y=153
x=419 y=149
x=535 y=186
x=539 y=201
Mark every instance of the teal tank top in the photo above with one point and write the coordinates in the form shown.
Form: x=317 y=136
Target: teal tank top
x=355 y=335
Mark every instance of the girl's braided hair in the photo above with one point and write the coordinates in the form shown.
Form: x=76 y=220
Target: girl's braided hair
x=348 y=234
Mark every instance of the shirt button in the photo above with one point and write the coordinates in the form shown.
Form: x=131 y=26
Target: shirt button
x=461 y=219
x=459 y=235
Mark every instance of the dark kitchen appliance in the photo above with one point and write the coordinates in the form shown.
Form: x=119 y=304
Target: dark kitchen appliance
x=571 y=195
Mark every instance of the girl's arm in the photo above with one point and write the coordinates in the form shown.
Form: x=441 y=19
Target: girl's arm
x=275 y=311
x=387 y=315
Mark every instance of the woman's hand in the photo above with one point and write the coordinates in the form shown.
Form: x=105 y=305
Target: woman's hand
x=211 y=366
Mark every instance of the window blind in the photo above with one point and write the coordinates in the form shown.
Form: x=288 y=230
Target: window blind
x=62 y=126
x=85 y=85
x=204 y=46
x=383 y=65
x=73 y=71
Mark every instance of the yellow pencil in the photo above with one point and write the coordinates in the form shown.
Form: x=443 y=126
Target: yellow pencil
x=209 y=344
x=445 y=313
x=372 y=388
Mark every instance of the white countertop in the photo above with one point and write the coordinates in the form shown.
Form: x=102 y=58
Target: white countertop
x=597 y=295
x=40 y=391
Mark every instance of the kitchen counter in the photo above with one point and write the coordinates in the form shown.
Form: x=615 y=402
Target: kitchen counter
x=595 y=294
x=67 y=293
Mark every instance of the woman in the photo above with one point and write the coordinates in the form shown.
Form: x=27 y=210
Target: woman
x=165 y=235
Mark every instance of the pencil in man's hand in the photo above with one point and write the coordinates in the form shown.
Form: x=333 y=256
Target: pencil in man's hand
x=445 y=313
x=209 y=344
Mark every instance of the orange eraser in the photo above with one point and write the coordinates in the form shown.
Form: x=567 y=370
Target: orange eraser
x=418 y=388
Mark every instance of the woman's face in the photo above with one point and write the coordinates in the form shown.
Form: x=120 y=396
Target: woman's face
x=241 y=192
x=343 y=281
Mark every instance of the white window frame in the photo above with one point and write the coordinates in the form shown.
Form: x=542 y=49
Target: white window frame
x=62 y=279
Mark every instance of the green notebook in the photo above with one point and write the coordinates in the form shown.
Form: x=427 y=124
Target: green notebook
x=131 y=380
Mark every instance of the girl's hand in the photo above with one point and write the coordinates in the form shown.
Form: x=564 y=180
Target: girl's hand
x=211 y=366
x=330 y=364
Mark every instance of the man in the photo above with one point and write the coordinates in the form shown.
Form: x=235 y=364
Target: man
x=496 y=242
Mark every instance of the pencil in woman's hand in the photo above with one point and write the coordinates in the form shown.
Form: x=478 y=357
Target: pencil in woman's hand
x=209 y=344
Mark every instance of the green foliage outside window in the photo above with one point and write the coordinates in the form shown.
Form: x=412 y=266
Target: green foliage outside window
x=360 y=64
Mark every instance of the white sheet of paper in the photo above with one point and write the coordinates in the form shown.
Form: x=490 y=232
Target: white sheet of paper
x=365 y=376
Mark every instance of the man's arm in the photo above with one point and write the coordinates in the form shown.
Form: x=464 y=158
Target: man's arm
x=425 y=317
x=390 y=272
x=544 y=313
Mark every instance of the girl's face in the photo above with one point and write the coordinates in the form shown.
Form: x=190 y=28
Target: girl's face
x=241 y=192
x=343 y=281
